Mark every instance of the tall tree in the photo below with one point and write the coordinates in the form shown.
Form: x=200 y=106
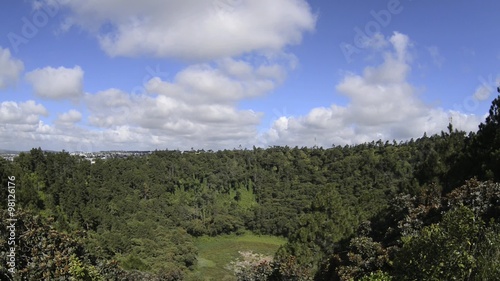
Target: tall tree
x=488 y=143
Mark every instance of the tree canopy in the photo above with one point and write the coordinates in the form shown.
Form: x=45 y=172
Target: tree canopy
x=413 y=210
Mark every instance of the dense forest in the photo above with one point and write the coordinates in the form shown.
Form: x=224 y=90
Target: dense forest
x=423 y=209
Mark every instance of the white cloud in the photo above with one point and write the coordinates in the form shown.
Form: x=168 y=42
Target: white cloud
x=383 y=105
x=376 y=42
x=10 y=69
x=69 y=118
x=197 y=108
x=110 y=99
x=57 y=83
x=191 y=29
x=20 y=124
x=27 y=136
x=231 y=80
x=27 y=112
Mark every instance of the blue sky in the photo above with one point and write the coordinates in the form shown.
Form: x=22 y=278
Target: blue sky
x=89 y=75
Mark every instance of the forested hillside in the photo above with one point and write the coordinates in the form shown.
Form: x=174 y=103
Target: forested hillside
x=424 y=209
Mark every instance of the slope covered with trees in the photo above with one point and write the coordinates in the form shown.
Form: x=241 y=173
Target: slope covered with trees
x=373 y=211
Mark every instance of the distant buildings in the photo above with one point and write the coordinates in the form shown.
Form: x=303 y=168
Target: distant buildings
x=91 y=156
x=8 y=156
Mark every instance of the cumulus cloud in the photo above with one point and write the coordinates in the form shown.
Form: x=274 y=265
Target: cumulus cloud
x=40 y=134
x=197 y=108
x=57 y=83
x=27 y=112
x=10 y=69
x=383 y=105
x=191 y=29
x=69 y=118
x=229 y=81
x=376 y=42
x=21 y=128
x=238 y=47
x=20 y=124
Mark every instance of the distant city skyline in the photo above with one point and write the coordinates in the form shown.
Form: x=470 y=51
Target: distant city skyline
x=223 y=74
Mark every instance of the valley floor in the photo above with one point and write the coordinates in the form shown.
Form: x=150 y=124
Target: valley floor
x=216 y=253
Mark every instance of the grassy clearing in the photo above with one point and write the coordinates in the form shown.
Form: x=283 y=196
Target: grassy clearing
x=216 y=252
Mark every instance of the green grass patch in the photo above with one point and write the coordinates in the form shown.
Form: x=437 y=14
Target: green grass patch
x=246 y=197
x=202 y=262
x=215 y=253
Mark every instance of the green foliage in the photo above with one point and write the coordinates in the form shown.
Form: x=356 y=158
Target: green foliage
x=377 y=276
x=488 y=255
x=485 y=149
x=412 y=240
x=460 y=247
x=326 y=222
x=147 y=212
x=43 y=253
x=364 y=256
x=442 y=251
x=81 y=272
